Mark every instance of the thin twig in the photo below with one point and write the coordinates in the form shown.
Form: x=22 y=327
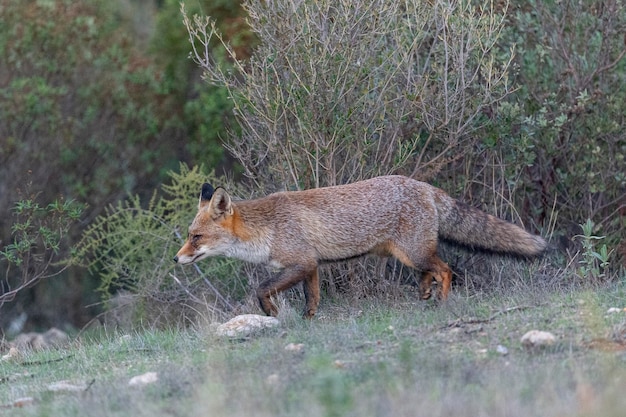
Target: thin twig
x=460 y=322
x=90 y=384
x=29 y=363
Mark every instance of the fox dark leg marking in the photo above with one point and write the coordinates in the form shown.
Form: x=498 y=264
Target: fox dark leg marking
x=435 y=271
x=442 y=274
x=428 y=277
x=311 y=294
x=286 y=279
x=426 y=285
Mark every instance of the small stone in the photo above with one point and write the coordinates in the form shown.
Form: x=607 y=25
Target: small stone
x=245 y=325
x=273 y=379
x=66 y=386
x=613 y=310
x=144 y=379
x=22 y=402
x=56 y=338
x=502 y=350
x=53 y=338
x=538 y=338
x=339 y=364
x=13 y=354
x=294 y=347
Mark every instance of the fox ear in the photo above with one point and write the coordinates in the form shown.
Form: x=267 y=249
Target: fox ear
x=207 y=191
x=205 y=194
x=221 y=203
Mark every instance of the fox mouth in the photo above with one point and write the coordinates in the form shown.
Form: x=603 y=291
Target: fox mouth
x=185 y=260
x=196 y=258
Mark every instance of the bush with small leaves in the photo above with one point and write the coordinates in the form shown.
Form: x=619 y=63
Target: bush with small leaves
x=38 y=247
x=130 y=249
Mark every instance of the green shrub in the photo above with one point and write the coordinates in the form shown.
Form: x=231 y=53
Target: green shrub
x=205 y=112
x=594 y=258
x=130 y=248
x=97 y=115
x=82 y=108
x=560 y=135
x=85 y=114
x=38 y=243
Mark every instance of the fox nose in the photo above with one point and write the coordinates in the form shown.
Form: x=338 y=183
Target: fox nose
x=176 y=259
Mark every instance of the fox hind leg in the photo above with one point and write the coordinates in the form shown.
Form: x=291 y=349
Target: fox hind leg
x=440 y=273
x=426 y=285
x=435 y=270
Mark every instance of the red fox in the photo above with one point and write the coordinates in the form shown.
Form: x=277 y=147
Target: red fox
x=294 y=231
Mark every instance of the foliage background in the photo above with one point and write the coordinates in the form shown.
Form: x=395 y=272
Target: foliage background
x=100 y=103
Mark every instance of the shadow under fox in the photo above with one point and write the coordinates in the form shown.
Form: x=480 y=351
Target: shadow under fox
x=386 y=216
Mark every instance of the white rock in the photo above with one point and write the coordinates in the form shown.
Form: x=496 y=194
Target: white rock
x=13 y=354
x=294 y=347
x=56 y=338
x=144 y=379
x=502 y=350
x=245 y=325
x=537 y=338
x=339 y=364
x=22 y=402
x=615 y=310
x=273 y=379
x=66 y=386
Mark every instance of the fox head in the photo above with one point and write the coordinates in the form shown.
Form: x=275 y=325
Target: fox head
x=211 y=232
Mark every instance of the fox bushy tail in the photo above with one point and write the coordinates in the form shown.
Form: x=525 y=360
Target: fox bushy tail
x=469 y=226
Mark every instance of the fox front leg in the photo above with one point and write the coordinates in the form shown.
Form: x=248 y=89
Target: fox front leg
x=286 y=279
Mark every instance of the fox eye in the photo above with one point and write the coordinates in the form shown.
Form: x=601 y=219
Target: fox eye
x=194 y=239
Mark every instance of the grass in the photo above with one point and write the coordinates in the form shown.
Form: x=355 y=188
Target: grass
x=377 y=358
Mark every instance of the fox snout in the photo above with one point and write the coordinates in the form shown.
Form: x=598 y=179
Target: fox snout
x=184 y=259
x=189 y=255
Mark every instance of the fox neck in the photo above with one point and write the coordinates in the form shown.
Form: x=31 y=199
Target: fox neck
x=250 y=251
x=250 y=244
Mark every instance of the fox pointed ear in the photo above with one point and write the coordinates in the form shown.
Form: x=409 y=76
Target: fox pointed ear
x=221 y=203
x=205 y=194
x=207 y=191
